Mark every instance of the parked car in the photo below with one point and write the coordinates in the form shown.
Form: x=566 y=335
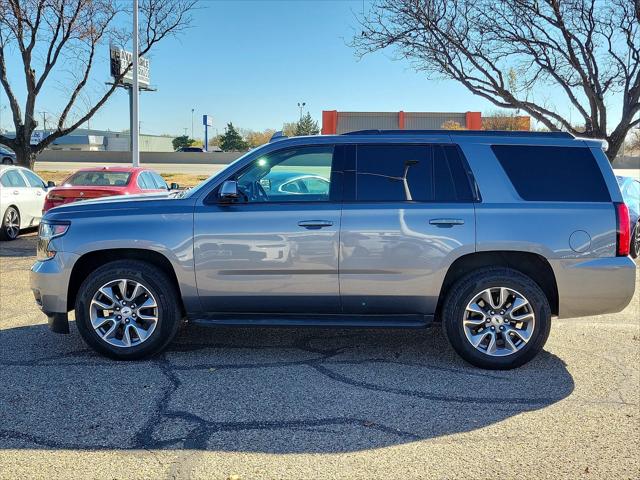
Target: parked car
x=491 y=233
x=191 y=149
x=22 y=195
x=291 y=182
x=88 y=183
x=630 y=188
x=7 y=157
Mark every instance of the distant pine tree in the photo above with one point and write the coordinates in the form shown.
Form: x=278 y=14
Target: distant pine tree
x=232 y=141
x=182 y=141
x=307 y=126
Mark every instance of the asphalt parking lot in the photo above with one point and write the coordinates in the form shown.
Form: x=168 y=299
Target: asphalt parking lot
x=306 y=403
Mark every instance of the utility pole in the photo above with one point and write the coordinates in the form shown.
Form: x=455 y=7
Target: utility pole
x=2 y=107
x=301 y=107
x=135 y=146
x=44 y=121
x=192 y=122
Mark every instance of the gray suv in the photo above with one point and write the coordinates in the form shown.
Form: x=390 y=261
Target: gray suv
x=491 y=233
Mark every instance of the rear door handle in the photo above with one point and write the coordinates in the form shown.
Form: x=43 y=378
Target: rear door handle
x=446 y=222
x=314 y=224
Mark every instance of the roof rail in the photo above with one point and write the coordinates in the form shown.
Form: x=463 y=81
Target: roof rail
x=480 y=133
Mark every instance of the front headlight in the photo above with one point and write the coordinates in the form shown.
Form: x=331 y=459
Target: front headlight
x=49 y=230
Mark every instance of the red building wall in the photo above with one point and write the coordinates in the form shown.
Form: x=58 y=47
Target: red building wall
x=331 y=118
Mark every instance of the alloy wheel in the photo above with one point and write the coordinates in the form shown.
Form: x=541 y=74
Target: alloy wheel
x=124 y=313
x=499 y=321
x=12 y=223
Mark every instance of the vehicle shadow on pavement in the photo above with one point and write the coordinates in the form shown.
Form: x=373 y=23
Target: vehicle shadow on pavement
x=258 y=390
x=23 y=246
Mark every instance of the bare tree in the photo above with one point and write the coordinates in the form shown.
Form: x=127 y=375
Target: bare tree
x=65 y=37
x=500 y=120
x=586 y=50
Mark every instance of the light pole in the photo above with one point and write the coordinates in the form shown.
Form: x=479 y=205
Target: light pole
x=192 y=122
x=301 y=107
x=135 y=126
x=44 y=121
x=2 y=107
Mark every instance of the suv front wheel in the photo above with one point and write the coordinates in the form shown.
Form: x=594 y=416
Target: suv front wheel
x=127 y=309
x=496 y=318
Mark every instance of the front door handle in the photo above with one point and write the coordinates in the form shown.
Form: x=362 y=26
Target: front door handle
x=446 y=222
x=16 y=192
x=315 y=224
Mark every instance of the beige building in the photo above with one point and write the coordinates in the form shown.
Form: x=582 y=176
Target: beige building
x=105 y=140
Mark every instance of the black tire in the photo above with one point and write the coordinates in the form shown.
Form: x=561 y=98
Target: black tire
x=160 y=286
x=5 y=233
x=463 y=291
x=7 y=161
x=634 y=247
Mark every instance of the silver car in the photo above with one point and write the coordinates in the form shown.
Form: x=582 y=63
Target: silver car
x=490 y=233
x=7 y=157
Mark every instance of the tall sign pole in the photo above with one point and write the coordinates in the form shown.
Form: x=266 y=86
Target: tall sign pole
x=135 y=146
x=207 y=121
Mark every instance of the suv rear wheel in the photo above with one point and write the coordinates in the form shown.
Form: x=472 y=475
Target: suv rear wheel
x=127 y=310
x=497 y=318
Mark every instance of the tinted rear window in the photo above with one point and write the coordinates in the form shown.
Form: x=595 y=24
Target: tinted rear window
x=562 y=174
x=450 y=181
x=99 y=179
x=419 y=173
x=391 y=173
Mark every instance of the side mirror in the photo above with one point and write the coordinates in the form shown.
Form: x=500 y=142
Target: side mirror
x=174 y=186
x=228 y=191
x=51 y=184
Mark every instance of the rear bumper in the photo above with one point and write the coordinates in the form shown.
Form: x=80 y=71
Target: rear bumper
x=594 y=286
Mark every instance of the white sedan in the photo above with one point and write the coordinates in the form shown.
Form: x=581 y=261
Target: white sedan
x=22 y=195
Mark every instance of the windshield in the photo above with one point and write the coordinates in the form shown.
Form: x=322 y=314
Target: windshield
x=99 y=178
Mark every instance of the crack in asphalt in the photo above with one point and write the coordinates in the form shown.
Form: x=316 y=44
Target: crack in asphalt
x=200 y=430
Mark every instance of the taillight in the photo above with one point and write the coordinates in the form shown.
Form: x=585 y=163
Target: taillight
x=623 y=234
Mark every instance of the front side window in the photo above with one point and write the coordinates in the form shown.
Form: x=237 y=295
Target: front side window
x=12 y=179
x=292 y=175
x=631 y=194
x=159 y=181
x=34 y=180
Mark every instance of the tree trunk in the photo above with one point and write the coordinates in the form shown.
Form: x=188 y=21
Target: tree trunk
x=615 y=142
x=25 y=156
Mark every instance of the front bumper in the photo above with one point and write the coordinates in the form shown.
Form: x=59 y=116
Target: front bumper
x=594 y=286
x=50 y=284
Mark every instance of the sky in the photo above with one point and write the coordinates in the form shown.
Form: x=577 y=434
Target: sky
x=252 y=62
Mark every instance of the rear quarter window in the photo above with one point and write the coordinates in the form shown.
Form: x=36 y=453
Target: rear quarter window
x=547 y=173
